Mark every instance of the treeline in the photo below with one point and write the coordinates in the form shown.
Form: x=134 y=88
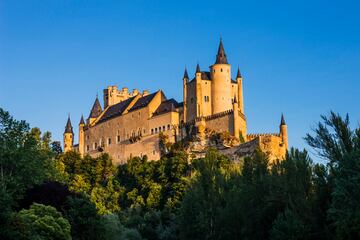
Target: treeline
x=46 y=194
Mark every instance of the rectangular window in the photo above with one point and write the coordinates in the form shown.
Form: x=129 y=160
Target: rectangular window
x=168 y=126
x=163 y=128
x=118 y=138
x=109 y=141
x=152 y=131
x=87 y=148
x=95 y=146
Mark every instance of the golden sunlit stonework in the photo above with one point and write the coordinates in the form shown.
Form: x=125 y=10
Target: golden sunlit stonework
x=211 y=115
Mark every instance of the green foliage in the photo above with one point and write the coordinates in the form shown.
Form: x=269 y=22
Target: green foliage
x=154 y=184
x=93 y=177
x=335 y=141
x=42 y=222
x=209 y=198
x=288 y=226
x=25 y=160
x=84 y=219
x=200 y=212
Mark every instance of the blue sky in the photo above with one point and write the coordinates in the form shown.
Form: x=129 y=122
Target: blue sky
x=301 y=58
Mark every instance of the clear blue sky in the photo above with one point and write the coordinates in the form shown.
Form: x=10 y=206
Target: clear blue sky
x=301 y=58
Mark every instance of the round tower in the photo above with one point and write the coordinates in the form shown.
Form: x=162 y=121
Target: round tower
x=185 y=84
x=198 y=91
x=283 y=132
x=68 y=136
x=81 y=136
x=236 y=119
x=221 y=82
x=239 y=81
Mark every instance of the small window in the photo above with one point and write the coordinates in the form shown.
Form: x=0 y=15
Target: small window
x=95 y=146
x=221 y=70
x=163 y=128
x=87 y=148
x=168 y=126
x=109 y=141
x=152 y=131
x=118 y=139
x=155 y=130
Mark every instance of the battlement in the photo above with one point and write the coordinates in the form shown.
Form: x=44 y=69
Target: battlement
x=113 y=95
x=255 y=135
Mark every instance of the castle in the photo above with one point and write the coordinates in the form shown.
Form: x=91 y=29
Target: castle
x=130 y=123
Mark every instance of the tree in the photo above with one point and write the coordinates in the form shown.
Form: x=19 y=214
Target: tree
x=42 y=222
x=288 y=226
x=335 y=141
x=25 y=160
x=85 y=222
x=199 y=216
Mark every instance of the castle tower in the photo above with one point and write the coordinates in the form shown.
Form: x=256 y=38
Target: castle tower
x=81 y=136
x=240 y=91
x=283 y=132
x=185 y=85
x=68 y=136
x=236 y=118
x=95 y=111
x=221 y=82
x=198 y=91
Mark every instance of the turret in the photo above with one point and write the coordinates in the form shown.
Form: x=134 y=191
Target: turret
x=239 y=81
x=185 y=84
x=236 y=118
x=221 y=82
x=68 y=136
x=81 y=136
x=95 y=111
x=198 y=90
x=283 y=132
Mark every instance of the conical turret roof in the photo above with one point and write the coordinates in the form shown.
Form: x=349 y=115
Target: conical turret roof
x=238 y=75
x=198 y=68
x=282 y=120
x=186 y=76
x=221 y=56
x=68 y=127
x=82 y=122
x=96 y=109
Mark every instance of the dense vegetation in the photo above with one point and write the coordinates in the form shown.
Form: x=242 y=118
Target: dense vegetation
x=46 y=194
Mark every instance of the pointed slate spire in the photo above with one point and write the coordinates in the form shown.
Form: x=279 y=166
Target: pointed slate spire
x=282 y=120
x=198 y=68
x=82 y=122
x=186 y=76
x=221 y=56
x=96 y=109
x=238 y=75
x=68 y=127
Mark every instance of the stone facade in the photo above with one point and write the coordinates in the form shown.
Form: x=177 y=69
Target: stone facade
x=130 y=123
